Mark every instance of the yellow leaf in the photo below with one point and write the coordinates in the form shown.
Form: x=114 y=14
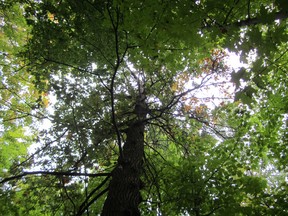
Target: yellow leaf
x=187 y=108
x=52 y=17
x=174 y=86
x=45 y=101
x=69 y=136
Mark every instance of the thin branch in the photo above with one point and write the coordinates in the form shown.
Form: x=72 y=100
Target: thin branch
x=53 y=174
x=208 y=125
x=92 y=201
x=116 y=67
x=176 y=98
x=15 y=118
x=45 y=146
x=71 y=200
x=99 y=50
x=217 y=169
x=254 y=21
x=17 y=109
x=272 y=62
x=213 y=210
x=83 y=206
x=63 y=63
x=248 y=9
x=94 y=6
x=229 y=12
x=155 y=150
x=280 y=15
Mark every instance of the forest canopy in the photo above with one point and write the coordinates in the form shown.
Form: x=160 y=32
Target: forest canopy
x=124 y=107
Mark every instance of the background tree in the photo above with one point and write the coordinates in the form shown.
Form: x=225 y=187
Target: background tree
x=134 y=115
x=20 y=102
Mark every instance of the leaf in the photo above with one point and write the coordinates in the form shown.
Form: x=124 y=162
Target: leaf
x=240 y=74
x=259 y=82
x=174 y=86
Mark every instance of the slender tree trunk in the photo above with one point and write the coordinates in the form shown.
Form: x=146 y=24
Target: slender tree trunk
x=124 y=196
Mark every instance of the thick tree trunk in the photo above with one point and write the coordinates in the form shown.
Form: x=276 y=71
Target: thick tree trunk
x=124 y=189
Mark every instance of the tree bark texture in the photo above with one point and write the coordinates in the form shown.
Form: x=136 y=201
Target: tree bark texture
x=124 y=195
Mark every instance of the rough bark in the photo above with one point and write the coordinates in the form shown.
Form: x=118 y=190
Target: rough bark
x=124 y=195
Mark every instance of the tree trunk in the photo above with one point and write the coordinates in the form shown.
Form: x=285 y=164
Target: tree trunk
x=124 y=196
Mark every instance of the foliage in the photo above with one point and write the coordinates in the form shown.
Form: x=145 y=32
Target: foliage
x=215 y=137
x=19 y=101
